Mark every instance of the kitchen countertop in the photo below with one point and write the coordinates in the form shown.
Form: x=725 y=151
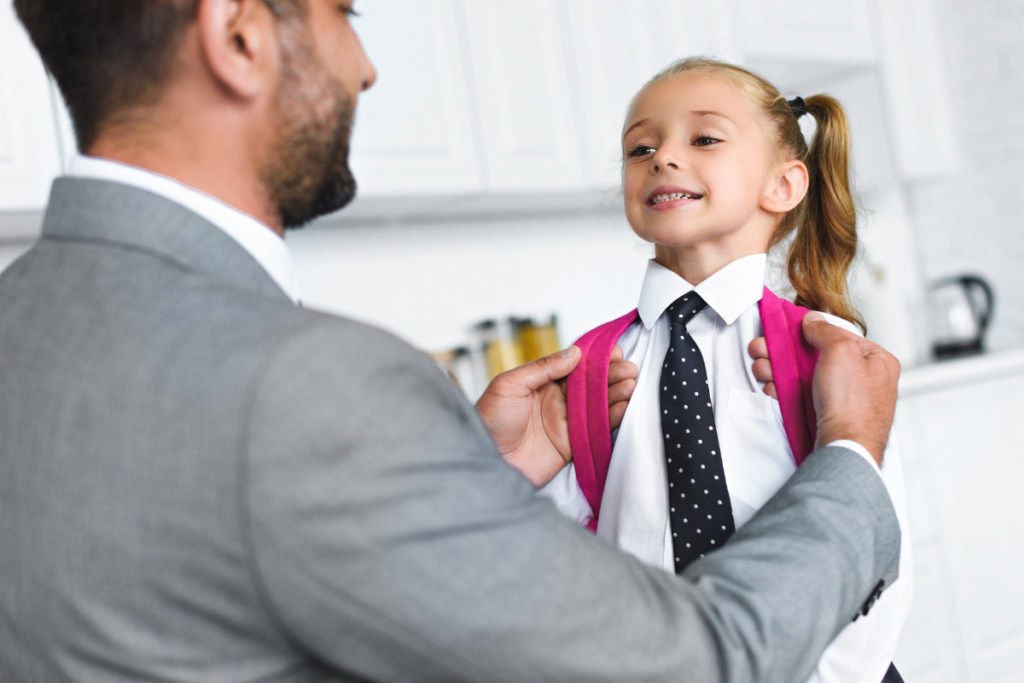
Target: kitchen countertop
x=951 y=373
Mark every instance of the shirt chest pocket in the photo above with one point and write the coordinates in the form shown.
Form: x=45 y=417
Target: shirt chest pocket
x=755 y=452
x=757 y=406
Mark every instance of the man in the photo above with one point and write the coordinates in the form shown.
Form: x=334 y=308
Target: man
x=200 y=480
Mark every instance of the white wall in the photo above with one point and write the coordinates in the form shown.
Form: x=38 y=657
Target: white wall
x=431 y=281
x=974 y=221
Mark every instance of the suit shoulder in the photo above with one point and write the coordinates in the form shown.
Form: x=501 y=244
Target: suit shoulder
x=322 y=345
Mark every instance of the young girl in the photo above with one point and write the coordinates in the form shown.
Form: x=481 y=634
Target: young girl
x=716 y=171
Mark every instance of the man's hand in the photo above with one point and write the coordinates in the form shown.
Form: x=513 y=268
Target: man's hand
x=524 y=410
x=621 y=383
x=855 y=385
x=758 y=350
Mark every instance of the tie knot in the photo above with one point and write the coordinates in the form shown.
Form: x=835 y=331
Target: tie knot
x=685 y=307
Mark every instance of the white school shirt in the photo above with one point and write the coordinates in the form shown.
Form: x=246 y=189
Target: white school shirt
x=755 y=452
x=262 y=243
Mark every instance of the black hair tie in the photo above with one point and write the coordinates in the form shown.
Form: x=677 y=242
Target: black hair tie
x=798 y=106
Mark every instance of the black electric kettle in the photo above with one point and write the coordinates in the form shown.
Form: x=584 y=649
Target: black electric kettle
x=959 y=311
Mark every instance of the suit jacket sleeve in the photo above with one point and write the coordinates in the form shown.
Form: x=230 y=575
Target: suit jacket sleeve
x=391 y=542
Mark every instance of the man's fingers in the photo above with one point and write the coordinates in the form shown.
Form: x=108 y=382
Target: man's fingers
x=820 y=333
x=618 y=398
x=758 y=348
x=621 y=370
x=768 y=386
x=615 y=414
x=620 y=391
x=762 y=368
x=534 y=375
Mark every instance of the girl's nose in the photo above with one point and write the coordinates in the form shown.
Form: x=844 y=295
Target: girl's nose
x=666 y=157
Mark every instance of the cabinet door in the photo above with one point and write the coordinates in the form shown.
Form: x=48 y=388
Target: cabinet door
x=29 y=155
x=518 y=61
x=963 y=442
x=413 y=132
x=618 y=48
x=837 y=31
x=922 y=127
x=802 y=45
x=614 y=57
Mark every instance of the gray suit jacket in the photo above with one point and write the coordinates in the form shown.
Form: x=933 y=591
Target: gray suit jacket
x=200 y=481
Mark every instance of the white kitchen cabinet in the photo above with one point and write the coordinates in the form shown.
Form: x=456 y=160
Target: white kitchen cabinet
x=473 y=109
x=415 y=135
x=918 y=103
x=523 y=83
x=29 y=151
x=613 y=60
x=804 y=38
x=492 y=106
x=957 y=424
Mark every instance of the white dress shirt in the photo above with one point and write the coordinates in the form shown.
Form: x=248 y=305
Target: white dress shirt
x=755 y=452
x=262 y=243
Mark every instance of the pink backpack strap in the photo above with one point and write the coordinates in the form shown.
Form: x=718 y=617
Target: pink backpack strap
x=587 y=405
x=793 y=361
x=792 y=358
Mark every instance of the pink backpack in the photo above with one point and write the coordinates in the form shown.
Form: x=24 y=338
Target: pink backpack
x=792 y=359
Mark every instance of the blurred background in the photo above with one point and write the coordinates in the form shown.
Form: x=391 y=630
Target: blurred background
x=489 y=226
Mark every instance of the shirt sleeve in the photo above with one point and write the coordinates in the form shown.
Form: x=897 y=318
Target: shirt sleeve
x=565 y=492
x=862 y=651
x=859 y=450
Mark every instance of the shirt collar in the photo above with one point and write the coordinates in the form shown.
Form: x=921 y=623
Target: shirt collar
x=728 y=292
x=262 y=243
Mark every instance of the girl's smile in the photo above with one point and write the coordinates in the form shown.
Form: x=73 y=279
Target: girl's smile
x=670 y=197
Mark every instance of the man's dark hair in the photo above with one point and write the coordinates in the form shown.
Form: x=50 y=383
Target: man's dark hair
x=106 y=55
x=109 y=56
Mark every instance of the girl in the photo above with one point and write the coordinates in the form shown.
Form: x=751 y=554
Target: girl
x=716 y=171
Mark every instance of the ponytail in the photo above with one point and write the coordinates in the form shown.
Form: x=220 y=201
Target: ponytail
x=825 y=243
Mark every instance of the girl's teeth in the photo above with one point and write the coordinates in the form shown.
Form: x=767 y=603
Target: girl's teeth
x=658 y=199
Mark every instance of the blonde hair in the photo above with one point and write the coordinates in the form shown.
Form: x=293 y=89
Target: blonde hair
x=825 y=221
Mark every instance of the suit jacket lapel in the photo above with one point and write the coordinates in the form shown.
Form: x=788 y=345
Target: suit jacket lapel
x=100 y=211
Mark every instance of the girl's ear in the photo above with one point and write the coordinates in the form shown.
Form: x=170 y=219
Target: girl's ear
x=787 y=188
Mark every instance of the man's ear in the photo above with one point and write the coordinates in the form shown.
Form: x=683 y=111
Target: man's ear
x=787 y=188
x=239 y=45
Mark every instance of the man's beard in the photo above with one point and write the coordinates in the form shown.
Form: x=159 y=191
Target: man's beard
x=306 y=173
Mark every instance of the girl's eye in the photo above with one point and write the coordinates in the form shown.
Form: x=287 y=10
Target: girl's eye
x=704 y=141
x=640 y=151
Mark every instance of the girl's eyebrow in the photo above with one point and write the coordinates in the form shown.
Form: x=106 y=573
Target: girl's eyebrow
x=703 y=113
x=697 y=113
x=634 y=125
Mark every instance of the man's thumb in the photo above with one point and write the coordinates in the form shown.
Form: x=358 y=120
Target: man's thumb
x=817 y=330
x=553 y=367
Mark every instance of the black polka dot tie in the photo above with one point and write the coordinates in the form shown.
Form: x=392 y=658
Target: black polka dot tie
x=698 y=500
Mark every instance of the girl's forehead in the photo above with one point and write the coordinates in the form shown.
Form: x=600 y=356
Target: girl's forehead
x=691 y=91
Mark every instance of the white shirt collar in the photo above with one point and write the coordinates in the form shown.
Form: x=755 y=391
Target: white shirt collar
x=262 y=243
x=728 y=292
